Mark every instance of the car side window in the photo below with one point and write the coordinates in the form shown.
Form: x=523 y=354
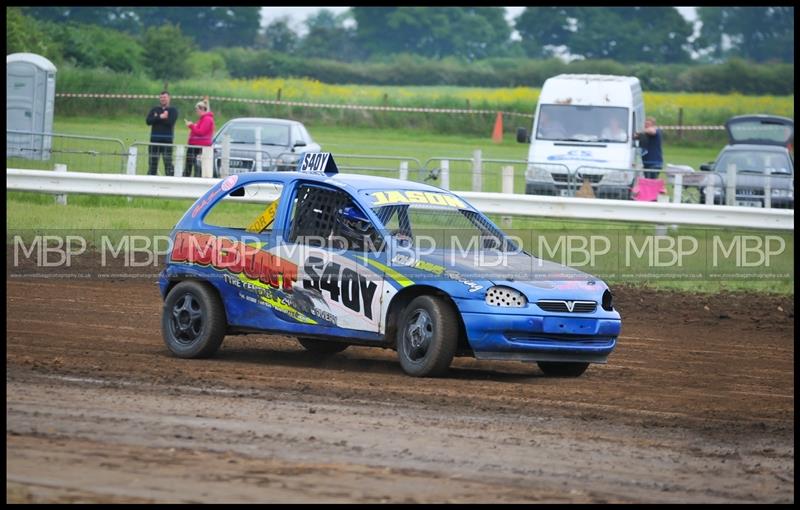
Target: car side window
x=324 y=217
x=250 y=208
x=297 y=136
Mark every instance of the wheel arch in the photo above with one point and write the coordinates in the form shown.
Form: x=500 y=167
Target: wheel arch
x=178 y=279
x=408 y=294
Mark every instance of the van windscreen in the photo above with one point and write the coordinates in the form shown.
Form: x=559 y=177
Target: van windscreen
x=578 y=123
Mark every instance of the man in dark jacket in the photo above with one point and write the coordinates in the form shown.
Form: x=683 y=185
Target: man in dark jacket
x=161 y=120
x=652 y=157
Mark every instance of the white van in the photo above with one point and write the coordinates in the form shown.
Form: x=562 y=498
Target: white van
x=583 y=130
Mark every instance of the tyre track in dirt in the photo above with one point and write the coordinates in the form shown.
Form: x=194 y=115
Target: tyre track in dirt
x=695 y=404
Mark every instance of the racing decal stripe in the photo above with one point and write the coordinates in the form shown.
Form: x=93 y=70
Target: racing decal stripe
x=277 y=303
x=399 y=278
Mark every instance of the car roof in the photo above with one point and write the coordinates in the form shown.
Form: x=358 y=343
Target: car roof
x=351 y=182
x=267 y=120
x=754 y=147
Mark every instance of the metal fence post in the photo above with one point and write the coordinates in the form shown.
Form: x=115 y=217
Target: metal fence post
x=477 y=171
x=179 y=160
x=677 y=188
x=61 y=199
x=404 y=170
x=444 y=174
x=730 y=191
x=131 y=168
x=225 y=164
x=768 y=192
x=207 y=162
x=508 y=189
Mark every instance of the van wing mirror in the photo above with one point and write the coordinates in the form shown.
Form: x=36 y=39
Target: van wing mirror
x=706 y=167
x=522 y=135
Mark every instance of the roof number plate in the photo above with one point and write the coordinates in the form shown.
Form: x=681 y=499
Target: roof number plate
x=317 y=163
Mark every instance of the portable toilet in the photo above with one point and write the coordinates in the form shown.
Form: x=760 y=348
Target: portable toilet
x=30 y=104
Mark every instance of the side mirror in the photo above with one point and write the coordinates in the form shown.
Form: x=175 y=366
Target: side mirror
x=705 y=167
x=522 y=135
x=300 y=143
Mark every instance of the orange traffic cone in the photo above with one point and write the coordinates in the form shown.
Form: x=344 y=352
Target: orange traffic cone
x=497 y=134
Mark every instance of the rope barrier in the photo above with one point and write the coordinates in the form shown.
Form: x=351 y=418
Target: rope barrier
x=352 y=107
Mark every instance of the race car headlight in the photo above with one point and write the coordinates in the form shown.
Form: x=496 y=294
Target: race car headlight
x=505 y=297
x=608 y=301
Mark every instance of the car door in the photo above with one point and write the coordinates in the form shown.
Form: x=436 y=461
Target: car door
x=335 y=282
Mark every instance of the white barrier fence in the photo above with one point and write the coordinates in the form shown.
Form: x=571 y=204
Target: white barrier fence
x=61 y=183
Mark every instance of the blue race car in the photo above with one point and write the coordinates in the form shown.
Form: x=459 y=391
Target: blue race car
x=339 y=260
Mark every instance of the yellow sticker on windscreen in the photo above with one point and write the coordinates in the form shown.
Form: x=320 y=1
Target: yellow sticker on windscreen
x=416 y=197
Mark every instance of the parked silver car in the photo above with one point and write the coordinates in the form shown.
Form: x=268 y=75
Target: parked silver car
x=263 y=144
x=758 y=153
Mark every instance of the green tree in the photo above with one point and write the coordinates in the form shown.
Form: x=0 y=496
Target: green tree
x=25 y=35
x=626 y=34
x=166 y=52
x=119 y=18
x=210 y=27
x=436 y=32
x=277 y=36
x=98 y=47
x=328 y=37
x=755 y=33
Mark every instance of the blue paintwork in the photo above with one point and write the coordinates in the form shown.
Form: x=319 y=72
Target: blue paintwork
x=527 y=333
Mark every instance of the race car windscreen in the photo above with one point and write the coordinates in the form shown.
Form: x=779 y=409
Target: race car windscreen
x=442 y=228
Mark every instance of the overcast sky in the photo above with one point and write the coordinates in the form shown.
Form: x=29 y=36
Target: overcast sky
x=297 y=15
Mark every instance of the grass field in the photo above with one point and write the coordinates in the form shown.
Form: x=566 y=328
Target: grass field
x=30 y=212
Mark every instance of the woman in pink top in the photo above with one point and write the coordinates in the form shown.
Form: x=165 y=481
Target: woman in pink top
x=200 y=133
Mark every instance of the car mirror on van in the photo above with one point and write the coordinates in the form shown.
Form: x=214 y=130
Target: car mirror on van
x=300 y=143
x=705 y=167
x=522 y=135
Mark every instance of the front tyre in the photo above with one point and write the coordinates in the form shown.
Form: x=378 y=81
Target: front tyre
x=562 y=369
x=427 y=336
x=193 y=321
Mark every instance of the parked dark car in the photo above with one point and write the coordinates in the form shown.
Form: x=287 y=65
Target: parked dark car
x=758 y=151
x=274 y=143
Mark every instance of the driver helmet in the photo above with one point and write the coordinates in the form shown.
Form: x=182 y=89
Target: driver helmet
x=352 y=225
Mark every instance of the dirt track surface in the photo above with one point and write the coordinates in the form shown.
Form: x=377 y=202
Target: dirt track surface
x=696 y=404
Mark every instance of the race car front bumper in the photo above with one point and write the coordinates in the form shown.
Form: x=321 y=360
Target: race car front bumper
x=540 y=338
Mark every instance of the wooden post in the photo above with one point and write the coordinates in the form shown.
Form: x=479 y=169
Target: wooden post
x=404 y=170
x=508 y=189
x=444 y=174
x=131 y=168
x=207 y=162
x=61 y=199
x=477 y=171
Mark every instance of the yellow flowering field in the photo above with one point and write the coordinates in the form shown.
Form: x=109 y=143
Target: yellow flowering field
x=697 y=108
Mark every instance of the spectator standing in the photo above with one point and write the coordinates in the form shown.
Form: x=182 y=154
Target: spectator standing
x=650 y=143
x=161 y=120
x=200 y=133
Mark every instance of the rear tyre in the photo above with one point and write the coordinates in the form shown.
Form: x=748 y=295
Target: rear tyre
x=427 y=336
x=193 y=320
x=562 y=369
x=322 y=346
